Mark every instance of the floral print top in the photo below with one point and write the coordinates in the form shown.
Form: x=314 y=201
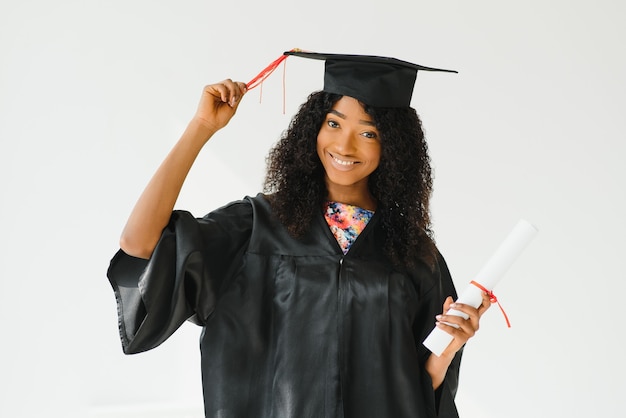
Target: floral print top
x=346 y=222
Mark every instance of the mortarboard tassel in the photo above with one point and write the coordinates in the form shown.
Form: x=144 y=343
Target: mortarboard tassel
x=258 y=80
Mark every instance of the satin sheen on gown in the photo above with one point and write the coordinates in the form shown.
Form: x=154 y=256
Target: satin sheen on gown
x=293 y=328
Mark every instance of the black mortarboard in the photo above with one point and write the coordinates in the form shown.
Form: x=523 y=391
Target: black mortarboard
x=376 y=81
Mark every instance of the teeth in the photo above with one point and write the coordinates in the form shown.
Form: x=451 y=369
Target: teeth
x=343 y=162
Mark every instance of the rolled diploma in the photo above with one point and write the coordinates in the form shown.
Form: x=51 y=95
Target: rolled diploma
x=488 y=277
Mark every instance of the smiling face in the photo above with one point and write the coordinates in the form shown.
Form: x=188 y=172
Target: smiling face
x=348 y=145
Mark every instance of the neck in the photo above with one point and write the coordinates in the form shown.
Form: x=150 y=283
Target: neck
x=352 y=195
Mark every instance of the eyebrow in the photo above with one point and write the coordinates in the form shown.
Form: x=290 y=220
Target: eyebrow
x=342 y=116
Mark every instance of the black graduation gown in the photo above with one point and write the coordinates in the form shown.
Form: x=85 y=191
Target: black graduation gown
x=292 y=328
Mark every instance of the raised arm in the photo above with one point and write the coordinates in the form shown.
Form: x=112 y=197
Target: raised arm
x=152 y=211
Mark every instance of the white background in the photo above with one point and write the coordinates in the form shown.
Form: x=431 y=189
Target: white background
x=94 y=93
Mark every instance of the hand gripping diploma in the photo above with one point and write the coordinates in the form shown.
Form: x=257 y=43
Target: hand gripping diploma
x=474 y=296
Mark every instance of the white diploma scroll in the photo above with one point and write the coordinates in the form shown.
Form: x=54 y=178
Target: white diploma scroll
x=488 y=277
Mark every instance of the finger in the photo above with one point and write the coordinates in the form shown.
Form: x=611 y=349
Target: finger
x=485 y=304
x=218 y=89
x=451 y=320
x=471 y=318
x=221 y=90
x=242 y=89
x=446 y=304
x=461 y=329
x=232 y=91
x=468 y=310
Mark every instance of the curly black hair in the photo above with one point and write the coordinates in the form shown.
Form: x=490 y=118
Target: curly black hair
x=401 y=184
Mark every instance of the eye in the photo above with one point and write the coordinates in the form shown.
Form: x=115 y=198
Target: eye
x=370 y=135
x=332 y=123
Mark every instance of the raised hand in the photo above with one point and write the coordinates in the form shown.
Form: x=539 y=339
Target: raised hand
x=219 y=103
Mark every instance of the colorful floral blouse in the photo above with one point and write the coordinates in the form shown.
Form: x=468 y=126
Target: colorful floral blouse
x=346 y=222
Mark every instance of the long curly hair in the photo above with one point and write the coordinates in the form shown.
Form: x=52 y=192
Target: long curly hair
x=401 y=184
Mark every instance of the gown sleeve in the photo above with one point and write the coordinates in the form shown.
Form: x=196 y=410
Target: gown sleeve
x=444 y=405
x=182 y=280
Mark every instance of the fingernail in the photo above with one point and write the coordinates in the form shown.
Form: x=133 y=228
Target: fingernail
x=438 y=317
x=453 y=305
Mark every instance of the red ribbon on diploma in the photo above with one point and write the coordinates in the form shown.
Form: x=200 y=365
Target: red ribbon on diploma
x=493 y=299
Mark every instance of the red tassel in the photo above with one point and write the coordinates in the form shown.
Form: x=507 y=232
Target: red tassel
x=267 y=71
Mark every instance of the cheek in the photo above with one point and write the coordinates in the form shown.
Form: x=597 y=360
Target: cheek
x=376 y=154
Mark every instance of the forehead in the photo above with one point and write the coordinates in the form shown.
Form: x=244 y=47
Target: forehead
x=349 y=106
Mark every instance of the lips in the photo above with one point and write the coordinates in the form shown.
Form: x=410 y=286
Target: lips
x=344 y=163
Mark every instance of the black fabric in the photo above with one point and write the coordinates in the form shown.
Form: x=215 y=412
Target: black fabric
x=373 y=80
x=292 y=328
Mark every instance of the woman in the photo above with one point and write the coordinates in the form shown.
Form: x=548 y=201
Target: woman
x=315 y=297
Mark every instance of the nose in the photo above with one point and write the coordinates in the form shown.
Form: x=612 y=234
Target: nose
x=345 y=142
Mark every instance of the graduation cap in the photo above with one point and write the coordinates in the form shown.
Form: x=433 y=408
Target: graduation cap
x=373 y=80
